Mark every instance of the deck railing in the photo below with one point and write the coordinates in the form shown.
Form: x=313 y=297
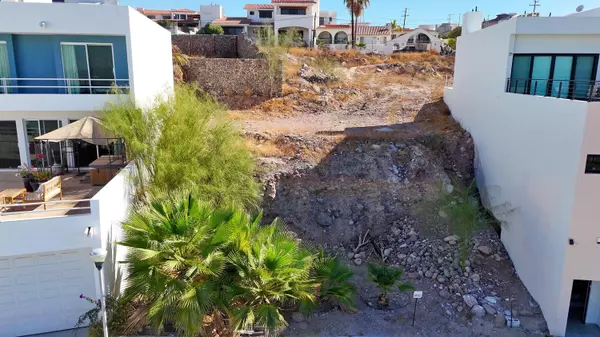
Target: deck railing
x=74 y=86
x=568 y=89
x=7 y=212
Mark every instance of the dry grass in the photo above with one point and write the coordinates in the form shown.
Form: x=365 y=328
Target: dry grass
x=267 y=149
x=289 y=89
x=290 y=70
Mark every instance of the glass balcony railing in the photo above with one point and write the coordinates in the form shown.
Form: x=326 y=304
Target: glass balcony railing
x=68 y=86
x=567 y=89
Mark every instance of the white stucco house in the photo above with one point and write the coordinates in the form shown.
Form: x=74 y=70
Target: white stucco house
x=527 y=91
x=381 y=39
x=58 y=63
x=279 y=15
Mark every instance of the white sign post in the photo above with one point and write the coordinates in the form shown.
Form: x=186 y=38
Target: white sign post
x=416 y=295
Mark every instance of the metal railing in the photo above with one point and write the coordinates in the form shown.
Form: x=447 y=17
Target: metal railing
x=5 y=212
x=568 y=89
x=75 y=86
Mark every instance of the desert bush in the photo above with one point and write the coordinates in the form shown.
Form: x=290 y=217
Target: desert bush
x=213 y=29
x=334 y=278
x=462 y=208
x=186 y=143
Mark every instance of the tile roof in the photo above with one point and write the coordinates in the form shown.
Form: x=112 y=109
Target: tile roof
x=164 y=11
x=259 y=6
x=372 y=30
x=293 y=1
x=232 y=21
x=361 y=29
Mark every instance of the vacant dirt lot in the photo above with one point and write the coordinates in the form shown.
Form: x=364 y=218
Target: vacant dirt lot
x=363 y=146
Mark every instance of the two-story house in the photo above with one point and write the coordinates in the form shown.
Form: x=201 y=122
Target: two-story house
x=527 y=91
x=60 y=62
x=304 y=16
x=180 y=20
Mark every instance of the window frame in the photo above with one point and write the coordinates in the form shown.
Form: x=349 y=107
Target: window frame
x=260 y=13
x=550 y=80
x=305 y=9
x=591 y=157
x=250 y=12
x=87 y=57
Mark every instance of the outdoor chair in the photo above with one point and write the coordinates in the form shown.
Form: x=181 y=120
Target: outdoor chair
x=45 y=192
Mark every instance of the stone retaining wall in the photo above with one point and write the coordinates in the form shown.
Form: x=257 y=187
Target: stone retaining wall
x=226 y=76
x=218 y=46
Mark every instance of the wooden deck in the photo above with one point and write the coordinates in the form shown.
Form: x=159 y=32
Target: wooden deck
x=74 y=187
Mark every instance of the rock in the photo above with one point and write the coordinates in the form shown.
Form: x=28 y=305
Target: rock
x=491 y=299
x=396 y=231
x=449 y=188
x=360 y=255
x=302 y=325
x=470 y=300
x=475 y=277
x=298 y=317
x=324 y=219
x=442 y=214
x=413 y=238
x=350 y=255
x=387 y=251
x=478 y=311
x=441 y=279
x=497 y=257
x=526 y=312
x=451 y=238
x=488 y=309
x=316 y=88
x=428 y=274
x=444 y=294
x=358 y=261
x=499 y=321
x=484 y=250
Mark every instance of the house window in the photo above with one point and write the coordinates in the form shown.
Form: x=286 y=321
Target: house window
x=321 y=21
x=265 y=14
x=151 y=17
x=555 y=75
x=233 y=30
x=88 y=68
x=251 y=12
x=293 y=11
x=385 y=39
x=4 y=68
x=361 y=39
x=51 y=151
x=592 y=164
x=180 y=16
x=411 y=40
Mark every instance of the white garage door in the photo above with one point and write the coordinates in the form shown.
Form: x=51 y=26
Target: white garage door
x=40 y=292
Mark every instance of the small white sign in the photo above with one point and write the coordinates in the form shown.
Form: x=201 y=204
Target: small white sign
x=418 y=294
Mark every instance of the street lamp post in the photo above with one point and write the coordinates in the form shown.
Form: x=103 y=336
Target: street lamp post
x=98 y=255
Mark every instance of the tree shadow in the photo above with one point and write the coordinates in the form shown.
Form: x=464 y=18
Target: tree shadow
x=374 y=177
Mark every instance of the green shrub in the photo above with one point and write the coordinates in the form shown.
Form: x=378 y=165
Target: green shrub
x=186 y=143
x=385 y=278
x=213 y=29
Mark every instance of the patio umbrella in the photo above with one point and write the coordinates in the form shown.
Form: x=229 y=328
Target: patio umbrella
x=89 y=129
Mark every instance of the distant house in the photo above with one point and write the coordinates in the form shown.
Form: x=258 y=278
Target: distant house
x=181 y=20
x=278 y=16
x=378 y=38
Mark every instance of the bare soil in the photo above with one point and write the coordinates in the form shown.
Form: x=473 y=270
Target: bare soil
x=370 y=151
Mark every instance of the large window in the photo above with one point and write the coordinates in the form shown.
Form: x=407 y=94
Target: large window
x=4 y=68
x=233 y=30
x=265 y=14
x=558 y=75
x=293 y=11
x=9 y=145
x=180 y=16
x=88 y=68
x=46 y=153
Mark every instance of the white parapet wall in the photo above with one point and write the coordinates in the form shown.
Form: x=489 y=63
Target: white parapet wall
x=530 y=157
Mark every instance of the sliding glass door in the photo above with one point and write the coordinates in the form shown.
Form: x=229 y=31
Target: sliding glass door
x=43 y=154
x=561 y=76
x=9 y=145
x=88 y=68
x=4 y=68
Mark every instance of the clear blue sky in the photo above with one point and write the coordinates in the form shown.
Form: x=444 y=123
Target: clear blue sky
x=382 y=11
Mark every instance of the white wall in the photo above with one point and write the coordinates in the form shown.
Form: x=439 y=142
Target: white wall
x=593 y=309
x=256 y=17
x=150 y=59
x=209 y=13
x=528 y=151
x=62 y=18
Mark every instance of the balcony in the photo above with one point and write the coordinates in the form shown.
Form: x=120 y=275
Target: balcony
x=64 y=94
x=566 y=89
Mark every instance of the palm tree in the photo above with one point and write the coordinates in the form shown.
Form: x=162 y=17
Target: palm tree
x=271 y=273
x=386 y=277
x=187 y=262
x=351 y=4
x=394 y=25
x=359 y=7
x=175 y=261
